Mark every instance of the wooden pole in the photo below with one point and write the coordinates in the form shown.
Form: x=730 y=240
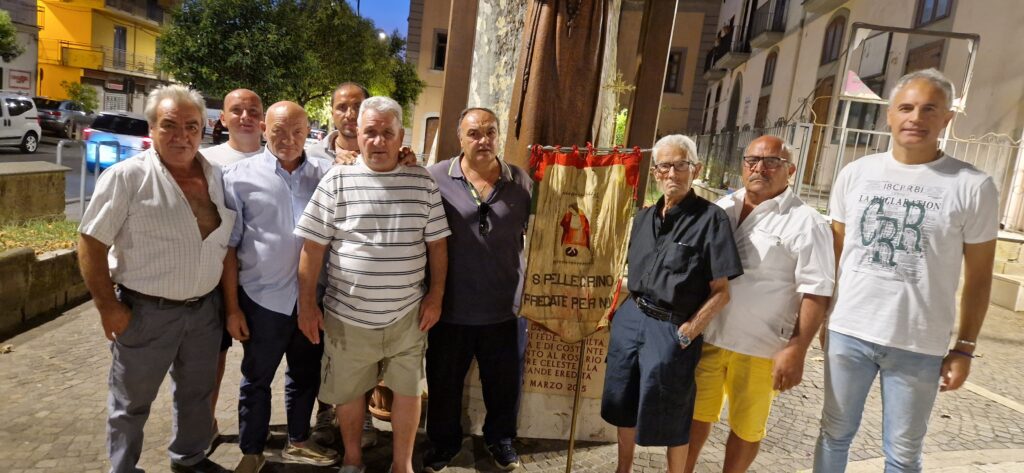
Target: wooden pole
x=576 y=404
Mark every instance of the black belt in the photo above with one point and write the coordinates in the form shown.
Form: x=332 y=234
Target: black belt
x=163 y=302
x=651 y=310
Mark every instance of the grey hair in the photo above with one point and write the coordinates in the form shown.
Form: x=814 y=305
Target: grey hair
x=380 y=104
x=931 y=75
x=176 y=92
x=681 y=142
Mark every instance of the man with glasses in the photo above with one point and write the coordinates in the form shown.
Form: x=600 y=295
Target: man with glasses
x=487 y=202
x=681 y=257
x=756 y=347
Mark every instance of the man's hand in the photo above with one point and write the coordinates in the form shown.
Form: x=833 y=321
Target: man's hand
x=406 y=157
x=430 y=311
x=955 y=369
x=789 y=368
x=115 y=319
x=236 y=324
x=689 y=330
x=345 y=157
x=311 y=322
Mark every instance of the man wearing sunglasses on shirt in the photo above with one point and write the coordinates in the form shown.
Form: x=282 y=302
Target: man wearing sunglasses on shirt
x=487 y=202
x=756 y=347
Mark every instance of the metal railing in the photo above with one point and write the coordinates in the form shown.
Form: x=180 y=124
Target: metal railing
x=769 y=17
x=120 y=59
x=725 y=45
x=149 y=10
x=82 y=198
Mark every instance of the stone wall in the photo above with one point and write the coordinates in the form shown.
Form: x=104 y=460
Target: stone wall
x=32 y=286
x=31 y=190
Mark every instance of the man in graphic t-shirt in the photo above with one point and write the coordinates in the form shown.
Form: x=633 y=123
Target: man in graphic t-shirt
x=904 y=222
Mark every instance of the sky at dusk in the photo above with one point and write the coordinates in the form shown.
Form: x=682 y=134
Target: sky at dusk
x=388 y=15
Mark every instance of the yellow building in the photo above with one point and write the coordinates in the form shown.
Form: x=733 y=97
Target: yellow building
x=107 y=44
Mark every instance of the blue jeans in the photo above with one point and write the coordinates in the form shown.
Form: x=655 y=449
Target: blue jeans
x=909 y=382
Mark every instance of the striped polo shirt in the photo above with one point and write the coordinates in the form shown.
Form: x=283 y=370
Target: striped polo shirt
x=377 y=225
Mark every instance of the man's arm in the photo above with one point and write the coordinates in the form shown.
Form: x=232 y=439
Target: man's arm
x=978 y=259
x=437 y=259
x=788 y=368
x=311 y=262
x=92 y=260
x=838 y=234
x=235 y=318
x=716 y=301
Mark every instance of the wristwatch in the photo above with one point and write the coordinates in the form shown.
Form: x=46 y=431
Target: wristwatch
x=684 y=341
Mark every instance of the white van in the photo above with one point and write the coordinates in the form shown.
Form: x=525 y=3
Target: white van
x=19 y=122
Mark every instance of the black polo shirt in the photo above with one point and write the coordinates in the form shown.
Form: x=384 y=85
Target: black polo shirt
x=673 y=260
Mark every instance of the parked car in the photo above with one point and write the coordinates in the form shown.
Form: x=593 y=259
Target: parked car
x=62 y=116
x=114 y=137
x=19 y=122
x=315 y=135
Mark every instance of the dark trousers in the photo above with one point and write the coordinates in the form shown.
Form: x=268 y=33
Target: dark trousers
x=273 y=335
x=450 y=351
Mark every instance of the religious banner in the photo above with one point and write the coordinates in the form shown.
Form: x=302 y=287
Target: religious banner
x=552 y=364
x=577 y=242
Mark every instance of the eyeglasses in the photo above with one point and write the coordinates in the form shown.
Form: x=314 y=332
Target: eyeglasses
x=679 y=166
x=768 y=162
x=484 y=210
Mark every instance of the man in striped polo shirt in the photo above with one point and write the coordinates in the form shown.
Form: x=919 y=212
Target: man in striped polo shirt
x=385 y=226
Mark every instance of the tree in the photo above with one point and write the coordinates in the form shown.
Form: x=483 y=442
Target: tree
x=82 y=94
x=9 y=47
x=283 y=50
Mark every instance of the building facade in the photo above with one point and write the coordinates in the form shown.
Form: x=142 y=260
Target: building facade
x=19 y=75
x=110 y=45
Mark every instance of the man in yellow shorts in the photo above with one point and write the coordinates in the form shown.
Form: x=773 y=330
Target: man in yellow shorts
x=756 y=347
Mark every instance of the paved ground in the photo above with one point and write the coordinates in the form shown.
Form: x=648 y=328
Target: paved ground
x=53 y=385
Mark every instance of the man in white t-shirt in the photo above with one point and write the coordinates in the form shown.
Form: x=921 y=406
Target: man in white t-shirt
x=904 y=222
x=756 y=347
x=242 y=115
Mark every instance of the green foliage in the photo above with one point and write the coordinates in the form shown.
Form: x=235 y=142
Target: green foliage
x=283 y=50
x=9 y=47
x=82 y=94
x=620 y=127
x=319 y=110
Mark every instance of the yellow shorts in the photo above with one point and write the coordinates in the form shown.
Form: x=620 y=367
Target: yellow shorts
x=747 y=382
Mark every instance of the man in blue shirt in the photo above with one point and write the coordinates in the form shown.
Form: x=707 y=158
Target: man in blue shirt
x=269 y=191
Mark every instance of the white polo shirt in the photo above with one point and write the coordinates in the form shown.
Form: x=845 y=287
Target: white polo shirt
x=223 y=154
x=786 y=250
x=155 y=246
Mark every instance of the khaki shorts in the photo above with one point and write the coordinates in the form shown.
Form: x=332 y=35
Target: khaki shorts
x=356 y=358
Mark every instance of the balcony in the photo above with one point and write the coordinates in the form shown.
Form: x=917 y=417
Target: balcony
x=769 y=24
x=821 y=6
x=733 y=54
x=710 y=72
x=148 y=9
x=119 y=60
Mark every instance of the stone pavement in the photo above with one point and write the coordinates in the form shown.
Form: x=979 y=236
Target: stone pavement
x=53 y=387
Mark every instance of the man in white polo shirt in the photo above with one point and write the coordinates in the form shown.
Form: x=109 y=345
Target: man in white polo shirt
x=385 y=226
x=757 y=345
x=161 y=220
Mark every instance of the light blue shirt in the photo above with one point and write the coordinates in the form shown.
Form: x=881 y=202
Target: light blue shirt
x=269 y=202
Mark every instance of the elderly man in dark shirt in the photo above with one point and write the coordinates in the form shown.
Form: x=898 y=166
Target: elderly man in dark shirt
x=681 y=257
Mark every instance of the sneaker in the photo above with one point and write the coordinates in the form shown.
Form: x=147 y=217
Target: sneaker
x=251 y=463
x=325 y=431
x=204 y=466
x=369 y=438
x=352 y=469
x=504 y=455
x=310 y=453
x=434 y=460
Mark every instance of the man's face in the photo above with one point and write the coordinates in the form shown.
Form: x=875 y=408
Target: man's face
x=917 y=114
x=177 y=132
x=477 y=134
x=380 y=138
x=674 y=182
x=346 y=109
x=242 y=113
x=286 y=129
x=769 y=176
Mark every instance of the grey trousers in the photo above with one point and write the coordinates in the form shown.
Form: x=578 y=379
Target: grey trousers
x=185 y=340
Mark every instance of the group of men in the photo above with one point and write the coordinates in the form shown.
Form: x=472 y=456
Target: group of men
x=334 y=258
x=359 y=267
x=726 y=299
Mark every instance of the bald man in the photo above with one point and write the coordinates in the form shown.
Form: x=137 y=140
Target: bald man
x=269 y=191
x=242 y=115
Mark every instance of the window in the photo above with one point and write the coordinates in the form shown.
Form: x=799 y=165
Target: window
x=769 y=69
x=154 y=11
x=674 y=72
x=833 y=40
x=863 y=116
x=930 y=11
x=120 y=45
x=16 y=107
x=440 y=48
